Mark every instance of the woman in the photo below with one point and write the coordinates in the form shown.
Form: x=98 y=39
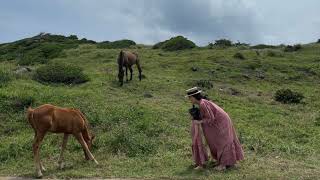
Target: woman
x=218 y=131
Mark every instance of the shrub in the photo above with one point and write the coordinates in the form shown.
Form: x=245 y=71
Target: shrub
x=238 y=56
x=203 y=83
x=274 y=53
x=15 y=102
x=5 y=77
x=39 y=49
x=292 y=48
x=210 y=45
x=61 y=73
x=318 y=41
x=175 y=43
x=223 y=43
x=263 y=46
x=116 y=44
x=287 y=96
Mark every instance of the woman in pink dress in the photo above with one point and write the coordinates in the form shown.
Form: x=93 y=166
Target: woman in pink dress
x=218 y=131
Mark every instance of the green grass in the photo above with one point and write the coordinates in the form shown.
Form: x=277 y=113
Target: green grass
x=143 y=137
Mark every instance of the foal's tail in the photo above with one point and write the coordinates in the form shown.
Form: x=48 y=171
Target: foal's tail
x=30 y=112
x=85 y=131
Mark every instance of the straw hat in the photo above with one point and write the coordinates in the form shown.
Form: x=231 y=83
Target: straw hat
x=193 y=91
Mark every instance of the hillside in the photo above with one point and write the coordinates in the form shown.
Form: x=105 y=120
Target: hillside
x=142 y=128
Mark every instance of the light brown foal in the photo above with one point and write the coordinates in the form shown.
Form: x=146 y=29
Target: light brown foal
x=49 y=118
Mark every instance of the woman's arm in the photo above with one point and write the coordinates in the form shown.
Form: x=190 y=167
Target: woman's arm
x=206 y=114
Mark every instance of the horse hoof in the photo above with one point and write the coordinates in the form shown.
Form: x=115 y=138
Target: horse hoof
x=39 y=175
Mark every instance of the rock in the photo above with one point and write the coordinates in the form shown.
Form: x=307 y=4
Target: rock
x=22 y=70
x=260 y=75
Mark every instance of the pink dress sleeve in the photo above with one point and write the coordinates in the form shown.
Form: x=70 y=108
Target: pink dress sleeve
x=207 y=114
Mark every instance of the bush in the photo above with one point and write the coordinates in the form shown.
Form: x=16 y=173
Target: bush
x=318 y=41
x=116 y=44
x=210 y=45
x=274 y=53
x=61 y=73
x=293 y=48
x=263 y=46
x=15 y=103
x=239 y=56
x=287 y=96
x=175 y=43
x=223 y=43
x=39 y=49
x=5 y=77
x=203 y=84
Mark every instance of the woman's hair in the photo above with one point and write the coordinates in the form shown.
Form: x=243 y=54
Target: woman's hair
x=198 y=96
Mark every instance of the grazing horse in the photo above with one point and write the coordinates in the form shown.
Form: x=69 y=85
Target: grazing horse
x=49 y=118
x=126 y=60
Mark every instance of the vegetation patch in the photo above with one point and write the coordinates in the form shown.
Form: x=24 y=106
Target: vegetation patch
x=175 y=43
x=125 y=43
x=5 y=77
x=239 y=55
x=288 y=96
x=293 y=48
x=61 y=73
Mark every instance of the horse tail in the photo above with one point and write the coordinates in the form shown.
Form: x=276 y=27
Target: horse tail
x=85 y=130
x=30 y=112
x=121 y=58
x=138 y=65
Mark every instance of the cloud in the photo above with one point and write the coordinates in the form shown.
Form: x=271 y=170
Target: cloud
x=151 y=21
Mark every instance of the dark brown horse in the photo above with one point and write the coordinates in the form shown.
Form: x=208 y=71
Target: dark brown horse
x=126 y=60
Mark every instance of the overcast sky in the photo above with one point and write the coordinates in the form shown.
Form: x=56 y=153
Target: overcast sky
x=151 y=21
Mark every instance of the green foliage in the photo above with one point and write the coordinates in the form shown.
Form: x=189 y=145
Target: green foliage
x=293 y=48
x=61 y=73
x=263 y=46
x=288 y=96
x=223 y=43
x=175 y=43
x=210 y=45
x=239 y=55
x=15 y=103
x=5 y=77
x=274 y=53
x=38 y=49
x=203 y=83
x=116 y=44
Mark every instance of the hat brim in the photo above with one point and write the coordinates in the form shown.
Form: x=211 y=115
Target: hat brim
x=193 y=94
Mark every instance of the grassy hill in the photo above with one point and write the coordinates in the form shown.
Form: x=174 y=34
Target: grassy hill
x=142 y=128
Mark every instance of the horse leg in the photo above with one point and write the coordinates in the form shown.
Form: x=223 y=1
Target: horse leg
x=35 y=147
x=130 y=68
x=127 y=73
x=63 y=146
x=84 y=145
x=140 y=70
